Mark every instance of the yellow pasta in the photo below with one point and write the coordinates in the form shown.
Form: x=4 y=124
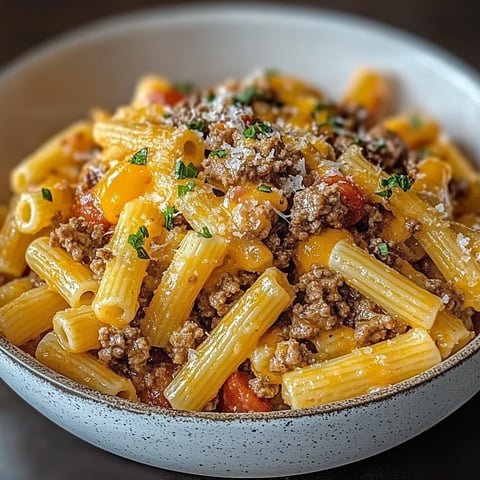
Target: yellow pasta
x=382 y=284
x=361 y=371
x=450 y=334
x=83 y=368
x=72 y=280
x=202 y=208
x=334 y=343
x=13 y=289
x=13 y=245
x=77 y=329
x=172 y=302
x=35 y=210
x=230 y=342
x=369 y=89
x=445 y=248
x=116 y=301
x=47 y=159
x=170 y=143
x=27 y=316
x=233 y=259
x=414 y=128
x=250 y=255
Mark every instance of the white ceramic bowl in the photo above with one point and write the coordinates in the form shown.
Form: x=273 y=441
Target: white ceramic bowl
x=98 y=66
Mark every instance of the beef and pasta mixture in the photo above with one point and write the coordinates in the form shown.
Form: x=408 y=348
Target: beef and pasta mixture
x=314 y=212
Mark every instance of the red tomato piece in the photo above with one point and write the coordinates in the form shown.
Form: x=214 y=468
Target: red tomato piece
x=350 y=196
x=237 y=396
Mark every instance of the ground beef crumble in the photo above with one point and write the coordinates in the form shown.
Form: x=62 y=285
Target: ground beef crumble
x=212 y=304
x=320 y=303
x=290 y=354
x=371 y=324
x=181 y=341
x=263 y=387
x=124 y=349
x=85 y=243
x=316 y=208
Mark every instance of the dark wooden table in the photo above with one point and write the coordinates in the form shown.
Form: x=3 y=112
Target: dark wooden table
x=32 y=448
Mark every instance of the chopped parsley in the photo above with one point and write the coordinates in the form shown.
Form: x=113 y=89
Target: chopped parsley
x=184 y=189
x=218 y=153
x=205 y=233
x=47 y=195
x=210 y=97
x=137 y=240
x=402 y=181
x=184 y=87
x=183 y=171
x=255 y=128
x=140 y=158
x=383 y=249
x=168 y=215
x=249 y=132
x=264 y=188
x=415 y=121
x=247 y=96
x=320 y=106
x=198 y=125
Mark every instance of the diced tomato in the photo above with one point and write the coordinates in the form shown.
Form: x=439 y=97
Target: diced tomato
x=153 y=394
x=237 y=396
x=350 y=196
x=169 y=97
x=86 y=206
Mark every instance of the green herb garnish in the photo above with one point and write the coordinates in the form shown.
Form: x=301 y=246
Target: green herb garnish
x=47 y=195
x=383 y=249
x=249 y=132
x=402 y=181
x=218 y=153
x=137 y=240
x=205 y=233
x=247 y=96
x=140 y=158
x=183 y=171
x=183 y=189
x=210 y=97
x=168 y=215
x=264 y=188
x=320 y=106
x=256 y=128
x=198 y=125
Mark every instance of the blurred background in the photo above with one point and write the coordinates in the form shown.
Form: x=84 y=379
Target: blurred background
x=452 y=24
x=31 y=447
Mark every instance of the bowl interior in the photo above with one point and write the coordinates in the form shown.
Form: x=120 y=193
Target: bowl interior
x=99 y=66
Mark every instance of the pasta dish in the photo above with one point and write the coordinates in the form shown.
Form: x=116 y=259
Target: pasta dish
x=253 y=246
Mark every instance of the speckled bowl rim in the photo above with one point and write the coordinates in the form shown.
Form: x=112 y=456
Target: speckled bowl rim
x=212 y=12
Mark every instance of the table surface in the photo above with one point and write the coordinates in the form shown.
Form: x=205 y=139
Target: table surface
x=31 y=447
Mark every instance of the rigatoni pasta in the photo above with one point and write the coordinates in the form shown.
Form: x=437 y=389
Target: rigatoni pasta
x=250 y=246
